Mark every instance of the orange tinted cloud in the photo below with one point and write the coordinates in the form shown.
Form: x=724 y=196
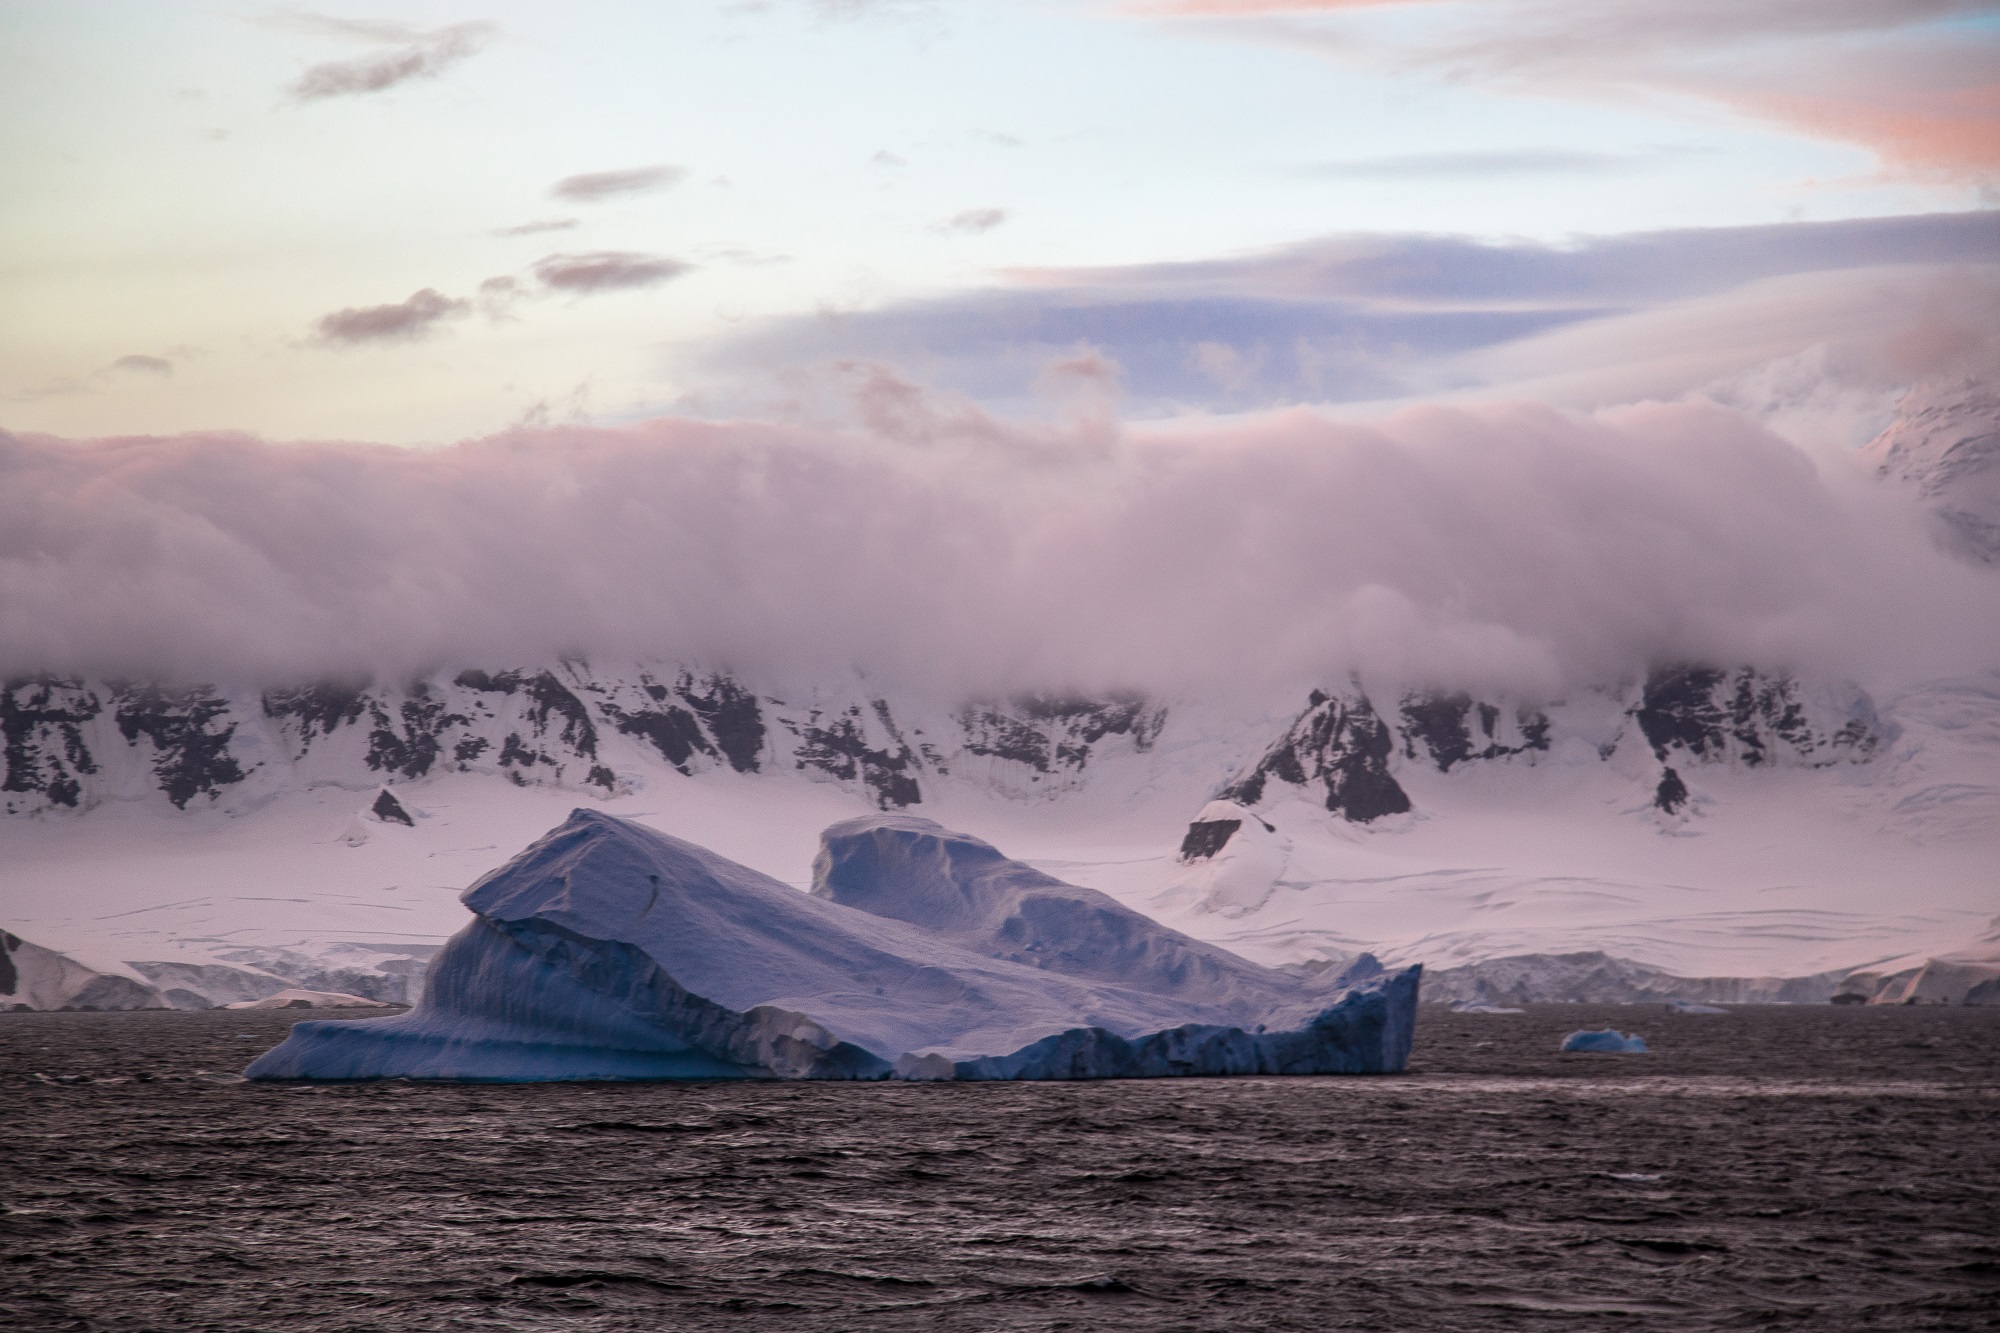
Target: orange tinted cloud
x=1953 y=132
x=1908 y=80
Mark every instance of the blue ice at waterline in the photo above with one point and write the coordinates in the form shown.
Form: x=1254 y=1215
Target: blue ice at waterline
x=1608 y=1041
x=608 y=950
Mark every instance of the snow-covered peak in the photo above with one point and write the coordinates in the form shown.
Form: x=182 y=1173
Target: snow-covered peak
x=1945 y=442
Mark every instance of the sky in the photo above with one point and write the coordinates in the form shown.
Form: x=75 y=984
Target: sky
x=426 y=222
x=1161 y=343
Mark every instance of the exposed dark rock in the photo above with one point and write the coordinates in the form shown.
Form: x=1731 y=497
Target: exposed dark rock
x=548 y=698
x=410 y=743
x=1672 y=793
x=190 y=759
x=1341 y=744
x=1678 y=709
x=1438 y=720
x=1050 y=733
x=840 y=749
x=732 y=715
x=514 y=754
x=390 y=810
x=1745 y=715
x=600 y=776
x=1206 y=837
x=1444 y=724
x=41 y=728
x=9 y=976
x=322 y=708
x=995 y=735
x=673 y=731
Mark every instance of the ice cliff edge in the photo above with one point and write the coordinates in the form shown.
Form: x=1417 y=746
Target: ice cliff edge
x=610 y=951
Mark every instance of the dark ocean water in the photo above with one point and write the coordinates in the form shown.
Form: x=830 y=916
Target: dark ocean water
x=1814 y=1169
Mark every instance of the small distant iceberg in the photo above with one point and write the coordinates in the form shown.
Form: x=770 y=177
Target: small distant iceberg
x=610 y=951
x=1690 y=1007
x=1482 y=1007
x=1609 y=1041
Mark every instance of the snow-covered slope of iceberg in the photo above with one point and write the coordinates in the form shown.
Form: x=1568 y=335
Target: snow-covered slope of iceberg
x=609 y=950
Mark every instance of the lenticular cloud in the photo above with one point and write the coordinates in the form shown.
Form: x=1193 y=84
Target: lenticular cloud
x=1506 y=547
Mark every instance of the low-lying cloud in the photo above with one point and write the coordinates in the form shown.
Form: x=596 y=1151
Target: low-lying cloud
x=1499 y=547
x=403 y=321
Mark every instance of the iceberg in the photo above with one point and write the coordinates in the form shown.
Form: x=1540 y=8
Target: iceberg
x=608 y=950
x=1609 y=1041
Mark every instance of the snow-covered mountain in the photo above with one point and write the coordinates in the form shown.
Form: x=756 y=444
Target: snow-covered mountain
x=1945 y=444
x=74 y=744
x=208 y=845
x=1708 y=829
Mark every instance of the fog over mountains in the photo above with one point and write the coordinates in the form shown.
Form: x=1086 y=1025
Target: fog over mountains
x=1655 y=687
x=1508 y=548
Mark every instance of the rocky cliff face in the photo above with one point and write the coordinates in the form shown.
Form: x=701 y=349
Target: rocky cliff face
x=1348 y=752
x=70 y=744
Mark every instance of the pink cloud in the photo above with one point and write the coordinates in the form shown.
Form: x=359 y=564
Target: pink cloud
x=1507 y=546
x=1897 y=77
x=404 y=321
x=606 y=270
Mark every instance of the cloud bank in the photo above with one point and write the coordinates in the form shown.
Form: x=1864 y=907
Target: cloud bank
x=1359 y=317
x=1503 y=547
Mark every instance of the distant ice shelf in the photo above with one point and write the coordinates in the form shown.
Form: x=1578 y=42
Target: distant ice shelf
x=608 y=950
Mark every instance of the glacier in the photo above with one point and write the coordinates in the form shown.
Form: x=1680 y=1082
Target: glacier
x=608 y=950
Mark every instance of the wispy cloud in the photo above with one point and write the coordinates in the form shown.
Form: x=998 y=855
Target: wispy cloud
x=142 y=365
x=1913 y=81
x=1368 y=317
x=606 y=271
x=418 y=54
x=1517 y=162
x=591 y=186
x=404 y=321
x=536 y=228
x=970 y=221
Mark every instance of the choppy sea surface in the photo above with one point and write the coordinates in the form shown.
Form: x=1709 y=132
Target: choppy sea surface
x=1779 y=1168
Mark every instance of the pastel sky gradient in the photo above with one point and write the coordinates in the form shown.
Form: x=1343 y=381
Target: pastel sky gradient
x=427 y=221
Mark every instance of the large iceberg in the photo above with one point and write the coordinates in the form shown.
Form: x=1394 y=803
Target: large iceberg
x=610 y=951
